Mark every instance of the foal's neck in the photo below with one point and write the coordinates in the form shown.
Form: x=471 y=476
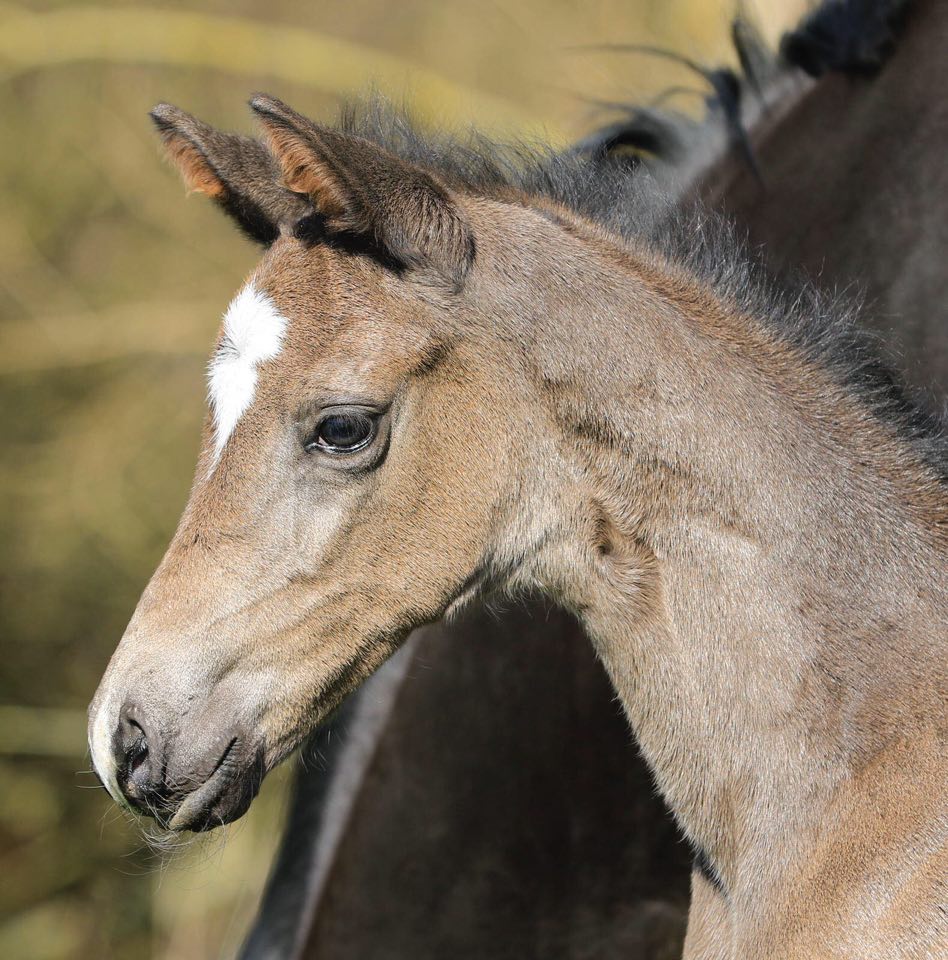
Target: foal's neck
x=769 y=592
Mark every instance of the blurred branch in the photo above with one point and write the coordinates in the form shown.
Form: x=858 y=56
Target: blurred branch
x=29 y=41
x=47 y=732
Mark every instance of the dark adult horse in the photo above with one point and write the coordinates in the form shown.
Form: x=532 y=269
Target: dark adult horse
x=407 y=846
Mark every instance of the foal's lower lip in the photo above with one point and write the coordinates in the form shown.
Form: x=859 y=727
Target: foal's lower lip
x=196 y=804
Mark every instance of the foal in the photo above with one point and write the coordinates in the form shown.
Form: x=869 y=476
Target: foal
x=453 y=372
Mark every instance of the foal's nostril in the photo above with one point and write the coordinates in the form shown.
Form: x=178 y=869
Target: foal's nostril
x=136 y=755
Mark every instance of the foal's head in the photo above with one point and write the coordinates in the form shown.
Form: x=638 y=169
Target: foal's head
x=372 y=442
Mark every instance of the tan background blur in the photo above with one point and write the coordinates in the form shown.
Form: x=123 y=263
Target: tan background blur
x=111 y=286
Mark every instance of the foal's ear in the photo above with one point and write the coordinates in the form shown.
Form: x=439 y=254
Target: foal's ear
x=239 y=173
x=361 y=188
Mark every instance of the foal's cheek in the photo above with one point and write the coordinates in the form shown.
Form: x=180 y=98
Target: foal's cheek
x=317 y=517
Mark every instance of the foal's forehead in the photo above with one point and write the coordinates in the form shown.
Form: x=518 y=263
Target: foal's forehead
x=321 y=288
x=344 y=314
x=310 y=285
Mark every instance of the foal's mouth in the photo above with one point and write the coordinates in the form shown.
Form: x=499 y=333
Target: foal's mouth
x=224 y=796
x=194 y=810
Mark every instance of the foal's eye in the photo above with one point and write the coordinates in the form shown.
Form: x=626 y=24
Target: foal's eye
x=343 y=433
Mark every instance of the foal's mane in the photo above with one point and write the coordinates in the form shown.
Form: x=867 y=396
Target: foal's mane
x=626 y=199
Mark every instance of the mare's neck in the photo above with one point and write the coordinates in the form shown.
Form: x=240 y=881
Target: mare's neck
x=770 y=589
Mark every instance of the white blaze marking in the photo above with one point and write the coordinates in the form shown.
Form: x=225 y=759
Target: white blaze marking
x=253 y=333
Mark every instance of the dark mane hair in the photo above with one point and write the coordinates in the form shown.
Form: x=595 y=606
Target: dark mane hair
x=845 y=36
x=627 y=200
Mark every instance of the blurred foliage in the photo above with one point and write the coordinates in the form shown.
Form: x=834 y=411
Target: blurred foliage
x=111 y=285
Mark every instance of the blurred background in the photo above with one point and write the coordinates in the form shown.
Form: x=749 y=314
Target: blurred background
x=112 y=283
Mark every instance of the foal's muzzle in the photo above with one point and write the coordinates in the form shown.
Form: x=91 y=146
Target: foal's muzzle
x=184 y=785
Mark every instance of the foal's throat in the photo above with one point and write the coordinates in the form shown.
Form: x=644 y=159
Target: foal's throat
x=765 y=542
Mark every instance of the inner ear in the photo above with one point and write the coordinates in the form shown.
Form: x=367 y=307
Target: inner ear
x=313 y=175
x=237 y=172
x=360 y=187
x=195 y=169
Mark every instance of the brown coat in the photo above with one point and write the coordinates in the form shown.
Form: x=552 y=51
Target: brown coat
x=890 y=239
